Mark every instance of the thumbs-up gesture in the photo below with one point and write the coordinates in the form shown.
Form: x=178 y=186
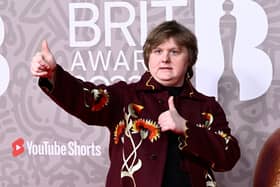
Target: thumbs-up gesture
x=43 y=63
x=171 y=119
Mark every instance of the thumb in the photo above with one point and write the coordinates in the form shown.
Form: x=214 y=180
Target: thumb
x=45 y=47
x=171 y=103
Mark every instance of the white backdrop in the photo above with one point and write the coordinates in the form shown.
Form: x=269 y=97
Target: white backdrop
x=101 y=41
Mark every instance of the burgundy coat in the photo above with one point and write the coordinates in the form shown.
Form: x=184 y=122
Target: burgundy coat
x=137 y=146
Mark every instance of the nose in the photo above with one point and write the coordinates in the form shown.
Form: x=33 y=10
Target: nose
x=165 y=57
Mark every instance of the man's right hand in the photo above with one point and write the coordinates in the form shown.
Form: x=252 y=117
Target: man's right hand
x=43 y=63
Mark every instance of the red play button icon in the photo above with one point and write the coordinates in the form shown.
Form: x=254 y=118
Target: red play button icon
x=18 y=147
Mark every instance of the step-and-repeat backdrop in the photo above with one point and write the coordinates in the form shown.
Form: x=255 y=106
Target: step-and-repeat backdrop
x=101 y=41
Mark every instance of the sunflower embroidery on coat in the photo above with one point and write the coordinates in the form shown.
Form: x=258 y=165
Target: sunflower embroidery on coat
x=132 y=125
x=97 y=100
x=145 y=127
x=208 y=121
x=101 y=99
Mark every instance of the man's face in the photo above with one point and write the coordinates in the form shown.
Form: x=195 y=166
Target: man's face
x=168 y=63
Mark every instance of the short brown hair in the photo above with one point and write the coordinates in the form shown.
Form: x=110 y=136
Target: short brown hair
x=182 y=36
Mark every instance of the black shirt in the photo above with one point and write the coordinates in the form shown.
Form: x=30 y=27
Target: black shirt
x=174 y=176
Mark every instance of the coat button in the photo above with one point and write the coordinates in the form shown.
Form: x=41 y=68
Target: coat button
x=153 y=156
x=160 y=101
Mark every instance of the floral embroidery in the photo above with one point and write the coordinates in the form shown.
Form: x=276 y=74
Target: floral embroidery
x=208 y=117
x=146 y=127
x=148 y=83
x=225 y=136
x=119 y=131
x=126 y=128
x=183 y=141
x=134 y=110
x=210 y=181
x=101 y=99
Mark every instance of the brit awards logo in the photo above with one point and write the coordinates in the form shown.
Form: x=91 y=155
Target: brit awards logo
x=4 y=68
x=231 y=61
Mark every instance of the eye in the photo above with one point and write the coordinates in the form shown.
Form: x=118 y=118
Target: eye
x=157 y=51
x=174 y=52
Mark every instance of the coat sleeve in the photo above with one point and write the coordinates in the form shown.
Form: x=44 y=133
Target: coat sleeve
x=210 y=141
x=90 y=103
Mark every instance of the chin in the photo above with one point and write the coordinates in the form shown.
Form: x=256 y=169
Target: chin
x=166 y=83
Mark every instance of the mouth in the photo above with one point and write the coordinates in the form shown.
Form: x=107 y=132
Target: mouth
x=165 y=68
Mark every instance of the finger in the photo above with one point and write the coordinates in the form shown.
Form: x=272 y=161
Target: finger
x=163 y=129
x=38 y=63
x=160 y=122
x=35 y=68
x=42 y=74
x=171 y=103
x=47 y=54
x=163 y=119
x=43 y=65
x=37 y=72
x=45 y=48
x=164 y=126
